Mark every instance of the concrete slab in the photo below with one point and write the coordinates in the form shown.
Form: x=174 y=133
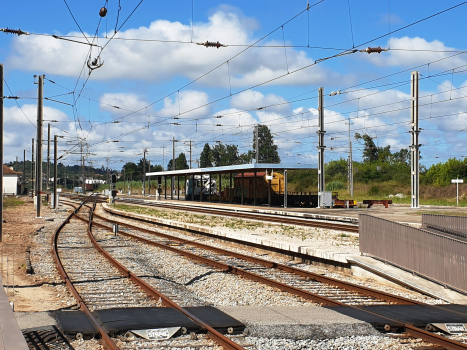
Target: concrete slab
x=12 y=338
x=297 y=322
x=393 y=273
x=28 y=320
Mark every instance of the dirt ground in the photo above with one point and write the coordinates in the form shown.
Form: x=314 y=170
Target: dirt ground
x=29 y=292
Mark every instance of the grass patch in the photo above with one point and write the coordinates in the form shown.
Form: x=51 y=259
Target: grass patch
x=11 y=202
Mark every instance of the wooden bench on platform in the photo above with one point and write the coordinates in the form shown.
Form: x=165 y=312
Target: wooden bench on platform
x=384 y=202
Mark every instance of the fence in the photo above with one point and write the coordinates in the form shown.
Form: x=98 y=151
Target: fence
x=436 y=256
x=455 y=223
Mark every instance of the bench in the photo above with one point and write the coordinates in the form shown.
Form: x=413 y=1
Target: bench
x=384 y=202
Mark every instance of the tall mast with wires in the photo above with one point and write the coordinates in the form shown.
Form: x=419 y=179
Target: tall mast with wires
x=414 y=147
x=321 y=146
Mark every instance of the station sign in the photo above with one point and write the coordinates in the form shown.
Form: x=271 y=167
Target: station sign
x=457 y=181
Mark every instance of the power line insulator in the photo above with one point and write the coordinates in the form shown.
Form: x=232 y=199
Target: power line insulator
x=373 y=50
x=103 y=12
x=212 y=44
x=13 y=31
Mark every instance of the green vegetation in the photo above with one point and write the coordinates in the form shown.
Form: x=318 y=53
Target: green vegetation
x=382 y=173
x=11 y=202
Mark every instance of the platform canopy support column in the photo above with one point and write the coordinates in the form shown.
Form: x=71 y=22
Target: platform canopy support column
x=178 y=187
x=165 y=188
x=220 y=187
x=269 y=189
x=242 y=187
x=201 y=188
x=254 y=188
x=231 y=189
x=210 y=187
x=192 y=188
x=285 y=188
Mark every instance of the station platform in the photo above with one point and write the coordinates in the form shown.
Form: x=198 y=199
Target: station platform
x=351 y=262
x=11 y=337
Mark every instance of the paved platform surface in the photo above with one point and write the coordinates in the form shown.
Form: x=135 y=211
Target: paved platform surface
x=297 y=322
x=11 y=337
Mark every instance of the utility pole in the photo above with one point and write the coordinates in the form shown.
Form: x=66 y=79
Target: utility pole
x=149 y=179
x=1 y=151
x=48 y=156
x=190 y=152
x=414 y=148
x=65 y=182
x=40 y=111
x=163 y=157
x=24 y=169
x=350 y=165
x=173 y=168
x=257 y=143
x=32 y=169
x=321 y=147
x=55 y=206
x=144 y=171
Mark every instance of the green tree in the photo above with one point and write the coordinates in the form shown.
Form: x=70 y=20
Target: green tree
x=370 y=151
x=205 y=159
x=131 y=169
x=267 y=149
x=180 y=163
x=223 y=155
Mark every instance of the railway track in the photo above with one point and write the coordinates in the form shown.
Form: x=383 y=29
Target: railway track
x=243 y=215
x=90 y=282
x=284 y=277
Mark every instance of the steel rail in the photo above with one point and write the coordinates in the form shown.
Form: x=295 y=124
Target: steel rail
x=323 y=279
x=109 y=343
x=216 y=336
x=411 y=330
x=245 y=215
x=254 y=216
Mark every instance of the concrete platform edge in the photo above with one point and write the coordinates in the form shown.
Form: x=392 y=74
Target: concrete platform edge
x=11 y=336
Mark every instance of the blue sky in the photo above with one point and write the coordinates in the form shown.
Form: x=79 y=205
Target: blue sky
x=140 y=94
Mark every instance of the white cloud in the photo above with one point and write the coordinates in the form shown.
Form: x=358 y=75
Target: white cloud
x=155 y=61
x=396 y=57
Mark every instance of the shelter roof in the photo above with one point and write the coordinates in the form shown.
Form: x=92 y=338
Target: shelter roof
x=230 y=169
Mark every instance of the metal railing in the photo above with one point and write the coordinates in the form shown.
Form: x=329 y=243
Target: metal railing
x=437 y=256
x=455 y=223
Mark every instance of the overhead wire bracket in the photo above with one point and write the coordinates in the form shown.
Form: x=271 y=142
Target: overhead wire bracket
x=211 y=44
x=13 y=31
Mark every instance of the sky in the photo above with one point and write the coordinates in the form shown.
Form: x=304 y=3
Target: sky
x=155 y=84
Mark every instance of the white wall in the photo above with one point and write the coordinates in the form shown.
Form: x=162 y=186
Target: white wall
x=10 y=183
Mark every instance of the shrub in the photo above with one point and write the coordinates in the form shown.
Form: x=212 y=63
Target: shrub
x=334 y=186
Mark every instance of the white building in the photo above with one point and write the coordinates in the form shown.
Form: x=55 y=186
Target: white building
x=10 y=181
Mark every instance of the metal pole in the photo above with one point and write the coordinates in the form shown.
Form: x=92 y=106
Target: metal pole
x=242 y=187
x=144 y=172
x=201 y=188
x=65 y=182
x=173 y=168
x=254 y=188
x=457 y=185
x=40 y=111
x=149 y=179
x=269 y=189
x=210 y=187
x=231 y=189
x=55 y=206
x=1 y=151
x=220 y=187
x=190 y=153
x=48 y=156
x=285 y=188
x=351 y=171
x=321 y=146
x=414 y=148
x=32 y=169
x=24 y=170
x=257 y=144
x=178 y=187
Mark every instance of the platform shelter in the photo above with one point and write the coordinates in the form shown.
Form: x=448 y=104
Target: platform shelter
x=251 y=174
